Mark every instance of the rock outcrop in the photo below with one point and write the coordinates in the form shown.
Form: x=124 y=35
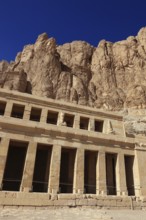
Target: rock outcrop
x=111 y=76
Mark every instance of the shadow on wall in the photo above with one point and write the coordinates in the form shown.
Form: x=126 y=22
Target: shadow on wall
x=29 y=87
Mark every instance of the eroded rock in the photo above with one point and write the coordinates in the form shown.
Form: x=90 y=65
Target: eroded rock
x=111 y=76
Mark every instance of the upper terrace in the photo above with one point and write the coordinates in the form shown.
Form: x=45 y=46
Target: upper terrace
x=58 y=115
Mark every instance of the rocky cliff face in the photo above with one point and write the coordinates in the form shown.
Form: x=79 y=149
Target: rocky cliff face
x=111 y=76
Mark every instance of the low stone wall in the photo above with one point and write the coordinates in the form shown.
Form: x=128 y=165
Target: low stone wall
x=70 y=200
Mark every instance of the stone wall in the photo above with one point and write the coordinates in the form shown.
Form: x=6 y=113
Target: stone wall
x=64 y=200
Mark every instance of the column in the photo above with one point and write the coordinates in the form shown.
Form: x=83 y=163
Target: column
x=71 y=166
x=91 y=124
x=101 y=188
x=55 y=170
x=121 y=176
x=140 y=170
x=76 y=121
x=78 y=186
x=44 y=115
x=4 y=145
x=26 y=184
x=60 y=118
x=8 y=109
x=27 y=111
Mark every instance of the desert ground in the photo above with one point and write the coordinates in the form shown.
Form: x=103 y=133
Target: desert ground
x=31 y=213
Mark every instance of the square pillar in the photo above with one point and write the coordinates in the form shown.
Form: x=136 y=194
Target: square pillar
x=121 y=185
x=26 y=184
x=44 y=115
x=8 y=109
x=101 y=188
x=27 y=111
x=78 y=186
x=76 y=121
x=55 y=170
x=91 y=124
x=60 y=118
x=4 y=145
x=140 y=170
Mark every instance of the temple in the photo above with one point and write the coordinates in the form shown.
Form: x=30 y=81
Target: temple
x=55 y=153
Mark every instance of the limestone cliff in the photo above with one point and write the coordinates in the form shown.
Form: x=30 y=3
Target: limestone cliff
x=111 y=76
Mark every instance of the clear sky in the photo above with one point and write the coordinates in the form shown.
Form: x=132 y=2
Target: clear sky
x=21 y=21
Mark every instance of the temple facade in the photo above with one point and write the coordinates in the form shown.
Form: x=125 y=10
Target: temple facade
x=54 y=149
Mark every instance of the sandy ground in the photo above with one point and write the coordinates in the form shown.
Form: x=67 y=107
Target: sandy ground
x=69 y=214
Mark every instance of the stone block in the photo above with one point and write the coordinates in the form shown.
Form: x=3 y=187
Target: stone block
x=22 y=195
x=2 y=194
x=6 y=201
x=67 y=196
x=65 y=202
x=10 y=194
x=136 y=204
x=23 y=202
x=92 y=202
x=80 y=196
x=91 y=196
x=107 y=203
x=27 y=207
x=120 y=204
x=81 y=202
x=43 y=202
x=143 y=199
x=100 y=202
x=112 y=202
x=54 y=197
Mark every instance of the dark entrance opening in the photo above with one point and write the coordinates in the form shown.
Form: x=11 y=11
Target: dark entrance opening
x=2 y=107
x=90 y=171
x=111 y=160
x=69 y=119
x=42 y=168
x=67 y=170
x=35 y=114
x=14 y=166
x=84 y=123
x=17 y=111
x=98 y=126
x=52 y=117
x=129 y=161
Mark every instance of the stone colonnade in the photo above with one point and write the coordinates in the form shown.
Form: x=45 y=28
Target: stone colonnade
x=79 y=171
x=122 y=167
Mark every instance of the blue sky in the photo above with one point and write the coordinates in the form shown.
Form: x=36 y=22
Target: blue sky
x=21 y=21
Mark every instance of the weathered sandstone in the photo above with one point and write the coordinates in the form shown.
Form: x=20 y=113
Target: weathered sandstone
x=111 y=76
